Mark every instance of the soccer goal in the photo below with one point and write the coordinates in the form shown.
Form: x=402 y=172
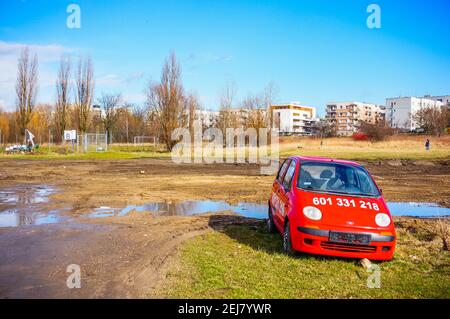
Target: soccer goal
x=92 y=142
x=142 y=140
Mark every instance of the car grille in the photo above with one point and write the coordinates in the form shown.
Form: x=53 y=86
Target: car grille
x=348 y=247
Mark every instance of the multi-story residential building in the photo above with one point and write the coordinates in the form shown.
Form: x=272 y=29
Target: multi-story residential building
x=293 y=118
x=207 y=117
x=445 y=99
x=346 y=117
x=400 y=110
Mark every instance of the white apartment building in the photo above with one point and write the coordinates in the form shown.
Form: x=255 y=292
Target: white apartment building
x=346 y=117
x=293 y=118
x=400 y=110
x=445 y=99
x=207 y=117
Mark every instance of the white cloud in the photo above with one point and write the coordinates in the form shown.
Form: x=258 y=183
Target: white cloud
x=114 y=80
x=136 y=98
x=108 y=80
x=195 y=61
x=47 y=55
x=135 y=77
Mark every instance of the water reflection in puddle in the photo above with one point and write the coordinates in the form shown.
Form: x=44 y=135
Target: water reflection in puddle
x=186 y=208
x=17 y=217
x=194 y=207
x=26 y=195
x=417 y=209
x=23 y=206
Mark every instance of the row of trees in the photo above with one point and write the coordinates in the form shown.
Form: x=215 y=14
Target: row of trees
x=171 y=107
x=129 y=121
x=27 y=89
x=432 y=120
x=72 y=107
x=167 y=105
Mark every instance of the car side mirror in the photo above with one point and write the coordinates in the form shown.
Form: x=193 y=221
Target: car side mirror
x=381 y=190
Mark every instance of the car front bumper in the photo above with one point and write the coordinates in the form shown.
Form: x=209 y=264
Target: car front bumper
x=316 y=241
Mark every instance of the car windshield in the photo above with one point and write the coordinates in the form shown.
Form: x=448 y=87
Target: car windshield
x=336 y=178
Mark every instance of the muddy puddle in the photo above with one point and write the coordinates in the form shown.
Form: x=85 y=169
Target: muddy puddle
x=28 y=205
x=26 y=195
x=413 y=209
x=24 y=205
x=251 y=210
x=186 y=208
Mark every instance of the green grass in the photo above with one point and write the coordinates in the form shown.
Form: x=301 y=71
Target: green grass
x=110 y=155
x=344 y=148
x=244 y=262
x=115 y=151
x=369 y=153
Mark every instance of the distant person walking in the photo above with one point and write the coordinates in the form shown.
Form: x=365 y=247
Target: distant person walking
x=427 y=145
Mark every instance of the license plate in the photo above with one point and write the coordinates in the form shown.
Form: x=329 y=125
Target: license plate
x=349 y=238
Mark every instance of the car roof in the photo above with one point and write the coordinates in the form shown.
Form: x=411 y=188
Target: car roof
x=324 y=160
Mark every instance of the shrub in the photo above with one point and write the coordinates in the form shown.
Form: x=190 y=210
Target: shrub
x=360 y=137
x=376 y=132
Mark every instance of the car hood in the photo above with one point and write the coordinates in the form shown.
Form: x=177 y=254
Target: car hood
x=345 y=211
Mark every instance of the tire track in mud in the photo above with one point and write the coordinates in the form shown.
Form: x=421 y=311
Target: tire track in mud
x=119 y=257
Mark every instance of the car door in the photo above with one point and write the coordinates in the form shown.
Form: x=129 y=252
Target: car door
x=285 y=193
x=276 y=201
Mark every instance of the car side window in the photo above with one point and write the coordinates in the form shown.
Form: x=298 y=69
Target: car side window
x=287 y=181
x=282 y=170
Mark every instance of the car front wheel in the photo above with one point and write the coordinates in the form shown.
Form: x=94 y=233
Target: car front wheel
x=287 y=242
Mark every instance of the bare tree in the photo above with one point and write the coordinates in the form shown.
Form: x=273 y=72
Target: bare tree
x=62 y=94
x=109 y=104
x=228 y=95
x=259 y=107
x=268 y=96
x=255 y=111
x=432 y=120
x=192 y=105
x=324 y=128
x=166 y=100
x=26 y=88
x=84 y=92
x=376 y=131
x=226 y=100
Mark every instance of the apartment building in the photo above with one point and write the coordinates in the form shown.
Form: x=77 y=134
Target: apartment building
x=400 y=110
x=293 y=118
x=208 y=118
x=445 y=99
x=347 y=116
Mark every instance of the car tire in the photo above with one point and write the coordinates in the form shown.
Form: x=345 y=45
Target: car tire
x=287 y=242
x=270 y=224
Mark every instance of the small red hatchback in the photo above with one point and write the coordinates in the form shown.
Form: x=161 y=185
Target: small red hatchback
x=330 y=207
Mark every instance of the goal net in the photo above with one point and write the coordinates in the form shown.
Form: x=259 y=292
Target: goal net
x=92 y=142
x=141 y=140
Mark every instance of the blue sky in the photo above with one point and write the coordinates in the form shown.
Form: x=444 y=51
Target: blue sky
x=314 y=51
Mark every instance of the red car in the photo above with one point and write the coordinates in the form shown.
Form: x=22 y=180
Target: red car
x=330 y=207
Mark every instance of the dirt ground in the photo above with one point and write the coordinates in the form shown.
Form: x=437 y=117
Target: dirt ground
x=127 y=256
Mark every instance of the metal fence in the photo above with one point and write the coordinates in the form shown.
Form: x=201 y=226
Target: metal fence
x=92 y=142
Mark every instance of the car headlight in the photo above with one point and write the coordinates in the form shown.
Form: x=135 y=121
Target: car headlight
x=382 y=220
x=312 y=213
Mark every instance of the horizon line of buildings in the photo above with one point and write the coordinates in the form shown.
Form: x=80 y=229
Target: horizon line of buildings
x=294 y=118
x=345 y=117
